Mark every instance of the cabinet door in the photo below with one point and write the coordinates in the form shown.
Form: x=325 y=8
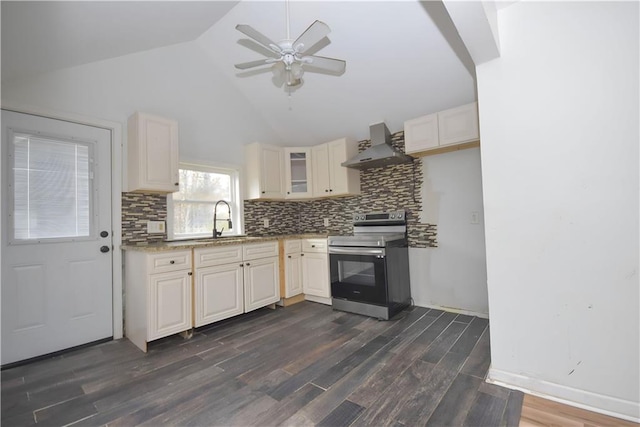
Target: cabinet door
x=261 y=283
x=219 y=293
x=298 y=173
x=293 y=275
x=421 y=134
x=315 y=274
x=169 y=304
x=272 y=172
x=153 y=153
x=264 y=171
x=320 y=170
x=459 y=124
x=343 y=180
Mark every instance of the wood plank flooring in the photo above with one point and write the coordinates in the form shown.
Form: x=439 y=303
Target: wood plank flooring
x=539 y=412
x=300 y=365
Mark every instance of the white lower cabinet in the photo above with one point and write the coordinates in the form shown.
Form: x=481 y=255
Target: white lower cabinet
x=293 y=275
x=315 y=271
x=315 y=275
x=235 y=279
x=261 y=283
x=292 y=267
x=219 y=293
x=157 y=295
x=169 y=304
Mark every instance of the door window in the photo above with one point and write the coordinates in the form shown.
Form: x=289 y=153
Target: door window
x=52 y=188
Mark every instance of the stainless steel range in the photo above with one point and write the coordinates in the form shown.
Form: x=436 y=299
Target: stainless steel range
x=370 y=269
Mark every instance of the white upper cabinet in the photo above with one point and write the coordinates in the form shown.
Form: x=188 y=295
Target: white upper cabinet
x=330 y=178
x=264 y=171
x=152 y=154
x=443 y=131
x=421 y=134
x=458 y=125
x=298 y=179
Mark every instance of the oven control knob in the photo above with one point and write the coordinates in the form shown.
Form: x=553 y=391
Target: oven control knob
x=393 y=216
x=399 y=215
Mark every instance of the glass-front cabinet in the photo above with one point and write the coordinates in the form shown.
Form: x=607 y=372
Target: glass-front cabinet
x=298 y=173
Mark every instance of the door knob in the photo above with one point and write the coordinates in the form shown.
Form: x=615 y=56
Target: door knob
x=104 y=249
x=104 y=233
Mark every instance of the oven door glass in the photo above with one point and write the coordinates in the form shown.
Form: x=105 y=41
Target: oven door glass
x=359 y=278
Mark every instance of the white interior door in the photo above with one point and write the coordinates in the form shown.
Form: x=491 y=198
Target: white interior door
x=56 y=235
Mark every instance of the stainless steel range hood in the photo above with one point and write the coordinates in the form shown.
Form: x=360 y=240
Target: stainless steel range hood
x=380 y=154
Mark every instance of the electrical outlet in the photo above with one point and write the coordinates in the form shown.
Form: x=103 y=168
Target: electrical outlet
x=155 y=227
x=326 y=222
x=265 y=222
x=475 y=218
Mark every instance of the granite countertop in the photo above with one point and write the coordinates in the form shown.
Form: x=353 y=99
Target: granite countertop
x=208 y=242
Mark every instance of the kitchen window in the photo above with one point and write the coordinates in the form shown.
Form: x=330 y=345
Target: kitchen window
x=190 y=210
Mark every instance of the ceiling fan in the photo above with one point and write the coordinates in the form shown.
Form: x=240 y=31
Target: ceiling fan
x=290 y=54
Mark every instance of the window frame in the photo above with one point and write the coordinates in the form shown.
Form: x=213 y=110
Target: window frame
x=237 y=212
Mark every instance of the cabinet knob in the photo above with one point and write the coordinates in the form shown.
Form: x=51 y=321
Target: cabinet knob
x=262 y=192
x=247 y=264
x=104 y=233
x=301 y=254
x=190 y=274
x=177 y=184
x=326 y=191
x=172 y=262
x=289 y=256
x=288 y=192
x=104 y=249
x=330 y=190
x=313 y=246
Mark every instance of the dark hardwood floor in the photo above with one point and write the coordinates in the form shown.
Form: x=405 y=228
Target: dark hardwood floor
x=300 y=365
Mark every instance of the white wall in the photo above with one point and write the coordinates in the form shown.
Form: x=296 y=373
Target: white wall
x=453 y=275
x=177 y=81
x=559 y=124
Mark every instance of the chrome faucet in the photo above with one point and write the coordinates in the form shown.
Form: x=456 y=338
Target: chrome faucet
x=217 y=233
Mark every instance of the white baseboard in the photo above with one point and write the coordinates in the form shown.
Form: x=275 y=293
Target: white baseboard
x=602 y=404
x=454 y=310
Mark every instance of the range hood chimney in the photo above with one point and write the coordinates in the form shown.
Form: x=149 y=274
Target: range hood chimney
x=380 y=154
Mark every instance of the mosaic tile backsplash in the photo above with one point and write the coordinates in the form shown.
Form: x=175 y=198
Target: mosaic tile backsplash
x=137 y=209
x=382 y=189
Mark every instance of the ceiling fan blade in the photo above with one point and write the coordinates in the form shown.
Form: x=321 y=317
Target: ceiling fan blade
x=258 y=36
x=312 y=35
x=252 y=64
x=329 y=64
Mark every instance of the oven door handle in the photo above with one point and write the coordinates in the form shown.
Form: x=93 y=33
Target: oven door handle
x=357 y=251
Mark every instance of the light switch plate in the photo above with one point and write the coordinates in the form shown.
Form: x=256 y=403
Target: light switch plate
x=155 y=227
x=265 y=223
x=326 y=222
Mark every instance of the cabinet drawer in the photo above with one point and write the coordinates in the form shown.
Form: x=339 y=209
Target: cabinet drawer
x=292 y=246
x=169 y=261
x=260 y=250
x=207 y=257
x=314 y=245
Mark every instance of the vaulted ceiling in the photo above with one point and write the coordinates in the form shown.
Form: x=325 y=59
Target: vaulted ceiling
x=404 y=58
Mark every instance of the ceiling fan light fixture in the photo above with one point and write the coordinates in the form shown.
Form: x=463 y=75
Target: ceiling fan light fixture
x=291 y=60
x=296 y=70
